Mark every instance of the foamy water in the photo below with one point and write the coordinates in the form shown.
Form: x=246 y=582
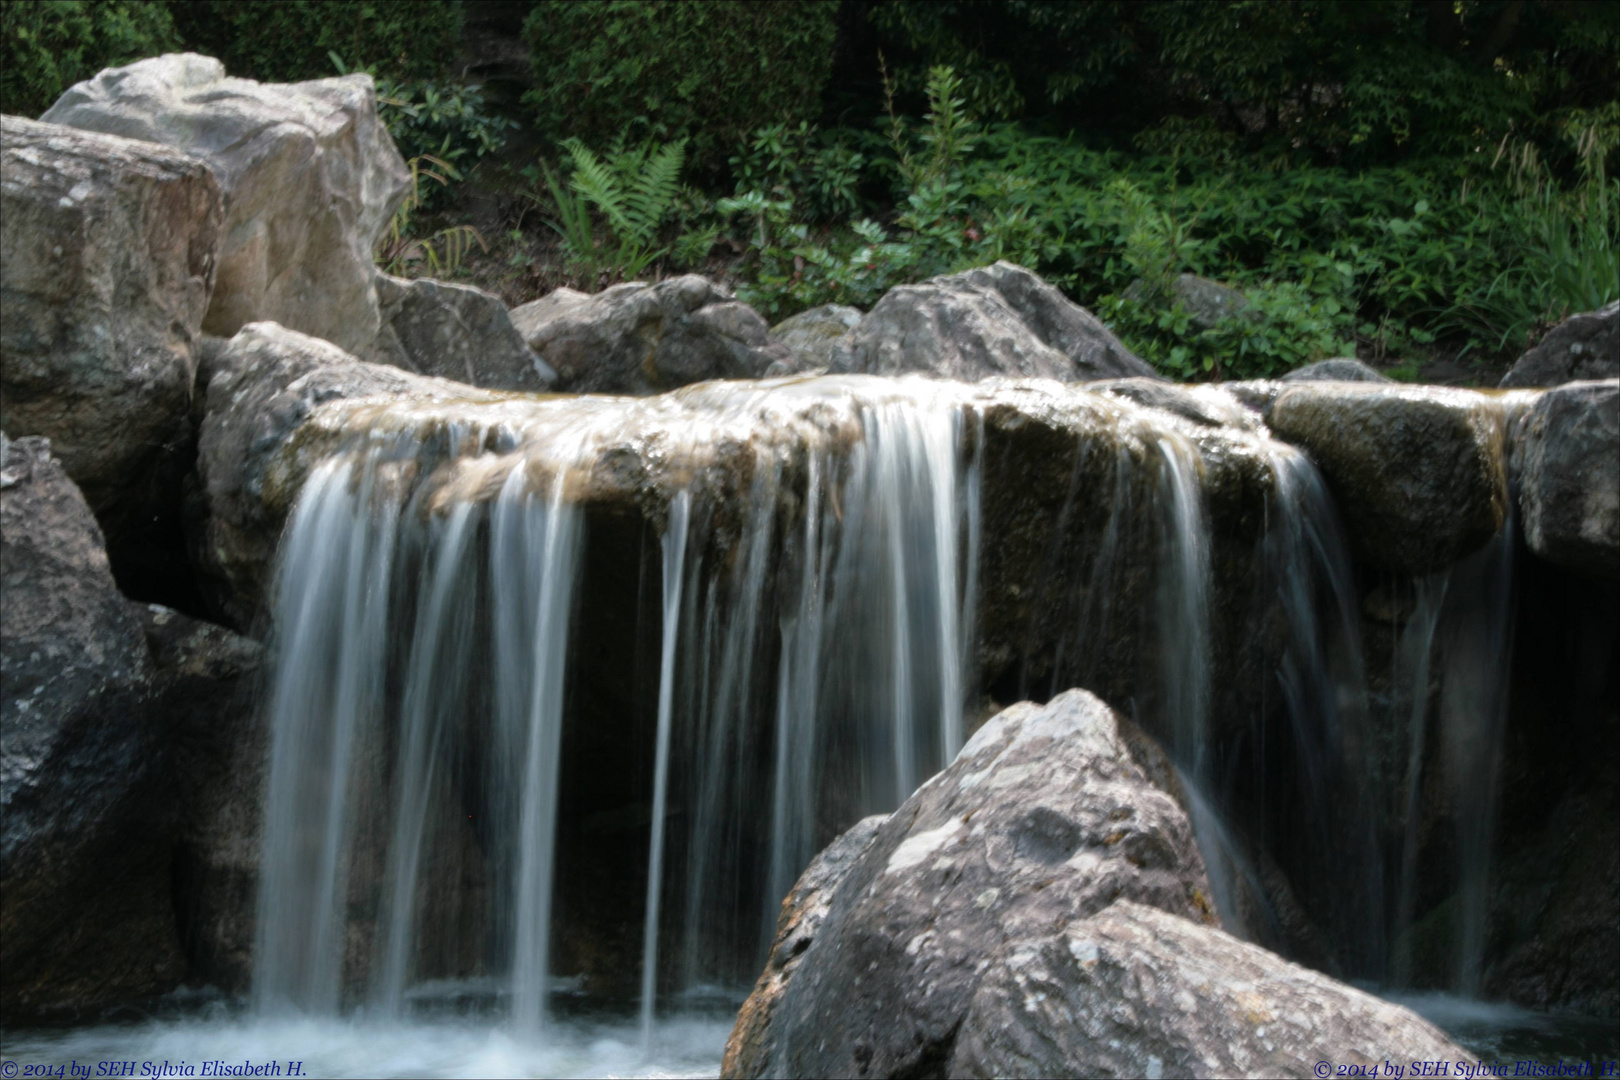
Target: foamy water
x=337 y=1048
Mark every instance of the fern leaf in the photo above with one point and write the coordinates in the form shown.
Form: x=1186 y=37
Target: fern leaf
x=651 y=197
x=598 y=184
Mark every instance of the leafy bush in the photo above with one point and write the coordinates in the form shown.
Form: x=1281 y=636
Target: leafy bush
x=292 y=40
x=442 y=123
x=48 y=45
x=1321 y=80
x=708 y=71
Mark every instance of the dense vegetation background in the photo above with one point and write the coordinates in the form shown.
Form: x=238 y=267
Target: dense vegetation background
x=1412 y=180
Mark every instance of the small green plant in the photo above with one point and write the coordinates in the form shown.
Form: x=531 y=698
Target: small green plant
x=440 y=253
x=633 y=192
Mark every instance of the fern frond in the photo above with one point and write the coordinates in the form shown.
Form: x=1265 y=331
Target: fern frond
x=598 y=184
x=649 y=199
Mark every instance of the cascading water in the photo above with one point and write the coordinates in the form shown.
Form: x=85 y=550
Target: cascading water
x=424 y=612
x=815 y=622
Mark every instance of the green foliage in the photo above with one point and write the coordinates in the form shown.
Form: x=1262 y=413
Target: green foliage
x=1324 y=80
x=444 y=122
x=441 y=253
x=48 y=45
x=292 y=40
x=708 y=71
x=633 y=191
x=944 y=223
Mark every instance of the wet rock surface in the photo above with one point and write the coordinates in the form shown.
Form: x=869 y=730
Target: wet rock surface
x=309 y=174
x=1043 y=818
x=1418 y=472
x=642 y=339
x=1134 y=991
x=106 y=265
x=996 y=320
x=456 y=332
x=1582 y=347
x=261 y=386
x=1566 y=458
x=86 y=916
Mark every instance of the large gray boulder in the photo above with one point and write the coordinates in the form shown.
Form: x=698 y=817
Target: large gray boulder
x=995 y=320
x=1418 y=472
x=813 y=336
x=86 y=916
x=1567 y=460
x=637 y=338
x=1582 y=347
x=311 y=180
x=1045 y=817
x=106 y=262
x=1134 y=991
x=457 y=332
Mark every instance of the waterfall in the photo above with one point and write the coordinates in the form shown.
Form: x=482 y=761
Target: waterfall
x=425 y=605
x=815 y=627
x=674 y=544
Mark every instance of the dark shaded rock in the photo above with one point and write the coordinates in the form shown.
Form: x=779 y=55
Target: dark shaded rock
x=86 y=917
x=1339 y=369
x=106 y=262
x=1207 y=302
x=1044 y=818
x=1566 y=458
x=1417 y=471
x=642 y=339
x=218 y=748
x=1582 y=347
x=813 y=335
x=456 y=332
x=803 y=911
x=310 y=176
x=995 y=320
x=1134 y=991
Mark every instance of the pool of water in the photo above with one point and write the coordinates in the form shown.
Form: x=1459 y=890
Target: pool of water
x=193 y=1035
x=1499 y=1032
x=219 y=1034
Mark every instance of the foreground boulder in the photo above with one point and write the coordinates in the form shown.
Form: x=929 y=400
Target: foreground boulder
x=455 y=331
x=310 y=178
x=86 y=916
x=1582 y=347
x=1134 y=991
x=995 y=320
x=106 y=262
x=1418 y=472
x=643 y=339
x=813 y=336
x=803 y=912
x=1567 y=461
x=1046 y=816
